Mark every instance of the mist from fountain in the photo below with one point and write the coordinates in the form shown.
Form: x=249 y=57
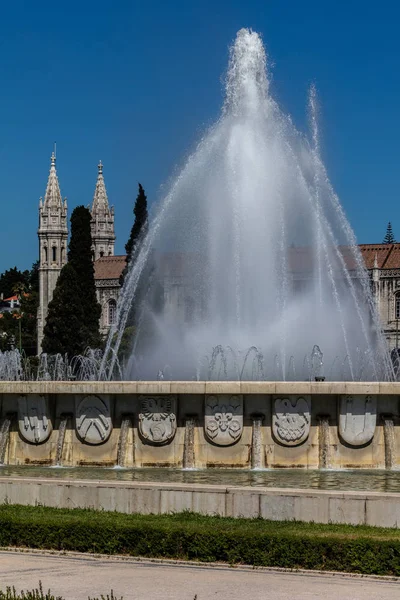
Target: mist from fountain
x=251 y=250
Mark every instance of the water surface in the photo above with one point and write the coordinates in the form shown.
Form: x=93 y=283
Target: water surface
x=362 y=480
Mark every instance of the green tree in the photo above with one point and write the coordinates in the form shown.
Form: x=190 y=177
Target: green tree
x=132 y=247
x=138 y=231
x=33 y=280
x=73 y=315
x=389 y=237
x=10 y=278
x=63 y=331
x=80 y=257
x=19 y=326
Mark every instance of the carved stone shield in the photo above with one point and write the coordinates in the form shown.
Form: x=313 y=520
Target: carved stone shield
x=357 y=419
x=291 y=417
x=33 y=418
x=157 y=418
x=93 y=420
x=223 y=419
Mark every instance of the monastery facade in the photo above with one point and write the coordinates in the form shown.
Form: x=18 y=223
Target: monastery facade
x=381 y=260
x=53 y=243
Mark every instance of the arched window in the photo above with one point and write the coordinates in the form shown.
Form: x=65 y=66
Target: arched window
x=397 y=306
x=54 y=249
x=45 y=254
x=112 y=312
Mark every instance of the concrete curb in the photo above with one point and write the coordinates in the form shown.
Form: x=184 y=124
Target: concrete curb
x=138 y=560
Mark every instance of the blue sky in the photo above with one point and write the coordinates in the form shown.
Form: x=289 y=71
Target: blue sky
x=135 y=83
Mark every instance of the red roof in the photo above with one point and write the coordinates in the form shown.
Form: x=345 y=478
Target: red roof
x=300 y=260
x=109 y=267
x=387 y=255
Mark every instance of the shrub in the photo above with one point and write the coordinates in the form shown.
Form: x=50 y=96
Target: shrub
x=188 y=536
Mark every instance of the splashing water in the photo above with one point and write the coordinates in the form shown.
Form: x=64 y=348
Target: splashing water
x=250 y=249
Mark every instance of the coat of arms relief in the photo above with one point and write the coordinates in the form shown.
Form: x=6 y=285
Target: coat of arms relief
x=33 y=418
x=157 y=418
x=291 y=417
x=223 y=419
x=93 y=419
x=357 y=419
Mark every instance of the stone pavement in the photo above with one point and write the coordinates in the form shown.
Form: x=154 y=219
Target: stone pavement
x=75 y=577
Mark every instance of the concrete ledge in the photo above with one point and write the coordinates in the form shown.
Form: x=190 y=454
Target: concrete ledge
x=198 y=387
x=325 y=506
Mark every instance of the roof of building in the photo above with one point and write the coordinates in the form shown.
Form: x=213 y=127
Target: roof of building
x=387 y=255
x=109 y=267
x=381 y=256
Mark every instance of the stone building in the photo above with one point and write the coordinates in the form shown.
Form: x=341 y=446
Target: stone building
x=53 y=241
x=381 y=260
x=107 y=271
x=103 y=236
x=383 y=264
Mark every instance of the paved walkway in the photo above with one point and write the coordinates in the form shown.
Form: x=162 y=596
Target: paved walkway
x=76 y=577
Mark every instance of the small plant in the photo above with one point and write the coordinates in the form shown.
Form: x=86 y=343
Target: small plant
x=36 y=594
x=108 y=597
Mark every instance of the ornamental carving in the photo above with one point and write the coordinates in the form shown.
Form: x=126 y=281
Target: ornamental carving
x=33 y=418
x=157 y=418
x=357 y=419
x=223 y=419
x=93 y=420
x=291 y=417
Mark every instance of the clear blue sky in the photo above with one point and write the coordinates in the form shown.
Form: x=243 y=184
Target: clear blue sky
x=134 y=83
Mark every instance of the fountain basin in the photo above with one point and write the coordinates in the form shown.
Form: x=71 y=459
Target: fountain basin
x=306 y=425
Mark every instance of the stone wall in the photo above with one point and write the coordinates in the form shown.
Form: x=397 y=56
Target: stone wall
x=356 y=508
x=201 y=424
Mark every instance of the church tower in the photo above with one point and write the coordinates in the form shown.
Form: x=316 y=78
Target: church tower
x=103 y=236
x=53 y=238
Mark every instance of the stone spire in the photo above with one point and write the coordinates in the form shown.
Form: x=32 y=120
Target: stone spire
x=52 y=197
x=53 y=238
x=100 y=200
x=102 y=226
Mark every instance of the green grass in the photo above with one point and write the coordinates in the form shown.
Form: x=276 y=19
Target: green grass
x=189 y=536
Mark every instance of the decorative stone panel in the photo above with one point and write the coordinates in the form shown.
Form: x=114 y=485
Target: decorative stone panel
x=357 y=419
x=33 y=418
x=157 y=418
x=223 y=419
x=291 y=418
x=93 y=420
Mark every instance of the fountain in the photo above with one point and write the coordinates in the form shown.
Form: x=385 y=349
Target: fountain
x=123 y=459
x=258 y=253
x=189 y=461
x=257 y=342
x=62 y=428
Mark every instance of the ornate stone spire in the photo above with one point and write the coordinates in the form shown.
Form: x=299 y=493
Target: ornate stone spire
x=53 y=238
x=102 y=226
x=52 y=198
x=100 y=200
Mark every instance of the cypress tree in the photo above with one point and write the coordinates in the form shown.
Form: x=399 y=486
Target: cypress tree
x=63 y=331
x=73 y=316
x=80 y=257
x=138 y=231
x=389 y=237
